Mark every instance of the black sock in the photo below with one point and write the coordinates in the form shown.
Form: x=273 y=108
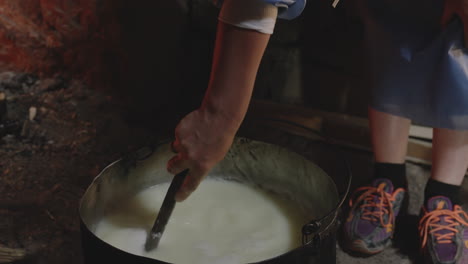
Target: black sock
x=396 y=172
x=437 y=188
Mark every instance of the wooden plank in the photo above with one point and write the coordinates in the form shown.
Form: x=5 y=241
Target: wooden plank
x=268 y=110
x=420 y=132
x=9 y=255
x=419 y=151
x=346 y=130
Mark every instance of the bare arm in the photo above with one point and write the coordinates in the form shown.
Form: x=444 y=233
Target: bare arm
x=204 y=136
x=237 y=56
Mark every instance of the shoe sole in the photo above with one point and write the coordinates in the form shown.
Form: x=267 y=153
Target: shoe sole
x=359 y=247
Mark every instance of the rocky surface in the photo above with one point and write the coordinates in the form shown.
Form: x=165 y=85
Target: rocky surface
x=54 y=139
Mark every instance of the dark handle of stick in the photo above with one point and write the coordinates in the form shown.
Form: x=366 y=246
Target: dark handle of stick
x=165 y=212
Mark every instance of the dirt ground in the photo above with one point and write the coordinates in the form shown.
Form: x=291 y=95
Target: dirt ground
x=55 y=138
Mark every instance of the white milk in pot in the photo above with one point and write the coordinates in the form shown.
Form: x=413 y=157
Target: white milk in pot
x=222 y=222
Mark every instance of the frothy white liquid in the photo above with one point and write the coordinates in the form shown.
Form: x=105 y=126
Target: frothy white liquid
x=222 y=222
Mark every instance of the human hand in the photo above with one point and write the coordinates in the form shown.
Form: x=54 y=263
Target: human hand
x=203 y=138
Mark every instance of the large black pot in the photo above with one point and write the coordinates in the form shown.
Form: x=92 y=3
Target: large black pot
x=307 y=169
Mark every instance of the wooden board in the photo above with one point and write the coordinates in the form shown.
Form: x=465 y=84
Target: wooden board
x=346 y=130
x=9 y=255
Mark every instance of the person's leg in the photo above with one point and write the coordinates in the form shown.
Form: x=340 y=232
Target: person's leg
x=443 y=224
x=449 y=155
x=449 y=163
x=389 y=134
x=371 y=221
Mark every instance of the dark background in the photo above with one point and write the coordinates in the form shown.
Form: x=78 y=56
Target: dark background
x=156 y=55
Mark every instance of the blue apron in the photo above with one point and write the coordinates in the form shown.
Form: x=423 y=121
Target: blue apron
x=418 y=69
x=287 y=9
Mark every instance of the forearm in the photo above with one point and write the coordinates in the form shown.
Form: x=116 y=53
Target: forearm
x=204 y=136
x=237 y=56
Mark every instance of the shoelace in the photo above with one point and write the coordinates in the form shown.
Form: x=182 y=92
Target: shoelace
x=432 y=219
x=384 y=206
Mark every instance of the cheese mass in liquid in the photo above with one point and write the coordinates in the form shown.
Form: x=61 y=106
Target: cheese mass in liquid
x=221 y=222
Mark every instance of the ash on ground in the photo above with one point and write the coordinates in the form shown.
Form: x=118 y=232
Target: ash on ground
x=55 y=137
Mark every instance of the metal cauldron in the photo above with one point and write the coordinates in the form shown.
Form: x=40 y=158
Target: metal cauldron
x=304 y=169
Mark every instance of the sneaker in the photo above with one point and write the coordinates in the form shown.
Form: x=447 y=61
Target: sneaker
x=369 y=227
x=442 y=230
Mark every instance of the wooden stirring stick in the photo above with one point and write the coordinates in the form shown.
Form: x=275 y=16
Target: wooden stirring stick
x=152 y=240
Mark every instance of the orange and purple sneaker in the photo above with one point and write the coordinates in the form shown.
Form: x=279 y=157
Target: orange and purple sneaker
x=443 y=230
x=370 y=224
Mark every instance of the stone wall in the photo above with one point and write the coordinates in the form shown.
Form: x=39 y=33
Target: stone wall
x=50 y=36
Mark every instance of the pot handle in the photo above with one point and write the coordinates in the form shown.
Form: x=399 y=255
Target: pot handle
x=130 y=159
x=314 y=231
